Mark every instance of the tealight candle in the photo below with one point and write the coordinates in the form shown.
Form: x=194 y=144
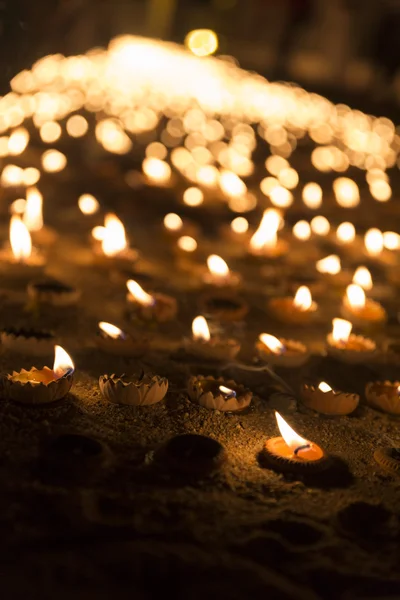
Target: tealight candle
x=281 y=352
x=264 y=242
x=384 y=395
x=219 y=274
x=331 y=269
x=362 y=277
x=299 y=310
x=218 y=394
x=42 y=235
x=113 y=251
x=291 y=452
x=151 y=307
x=41 y=386
x=114 y=340
x=361 y=310
x=327 y=401
x=202 y=345
x=348 y=347
x=20 y=259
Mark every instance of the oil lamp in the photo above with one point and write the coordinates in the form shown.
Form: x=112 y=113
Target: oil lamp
x=327 y=401
x=389 y=460
x=111 y=248
x=21 y=260
x=113 y=340
x=52 y=293
x=281 y=352
x=27 y=341
x=384 y=395
x=203 y=345
x=42 y=235
x=293 y=453
x=362 y=311
x=136 y=390
x=348 y=347
x=151 y=307
x=219 y=274
x=41 y=386
x=331 y=269
x=299 y=310
x=264 y=242
x=218 y=394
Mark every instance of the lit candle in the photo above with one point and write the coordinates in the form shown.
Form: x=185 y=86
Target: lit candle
x=113 y=340
x=219 y=274
x=113 y=251
x=280 y=351
x=42 y=235
x=348 y=347
x=331 y=269
x=362 y=277
x=362 y=311
x=151 y=307
x=298 y=310
x=218 y=394
x=327 y=401
x=20 y=259
x=202 y=345
x=264 y=241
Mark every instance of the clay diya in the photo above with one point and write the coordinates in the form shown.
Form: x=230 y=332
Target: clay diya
x=389 y=460
x=300 y=310
x=348 y=347
x=291 y=452
x=264 y=243
x=218 y=394
x=362 y=311
x=223 y=306
x=219 y=274
x=203 y=345
x=151 y=307
x=53 y=293
x=27 y=341
x=281 y=352
x=327 y=401
x=384 y=395
x=41 y=386
x=113 y=340
x=331 y=269
x=137 y=390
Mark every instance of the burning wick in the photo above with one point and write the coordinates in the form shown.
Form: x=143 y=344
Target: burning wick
x=292 y=439
x=227 y=391
x=112 y=331
x=324 y=387
x=272 y=343
x=138 y=294
x=200 y=329
x=63 y=363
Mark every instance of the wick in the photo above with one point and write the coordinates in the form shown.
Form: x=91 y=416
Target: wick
x=304 y=447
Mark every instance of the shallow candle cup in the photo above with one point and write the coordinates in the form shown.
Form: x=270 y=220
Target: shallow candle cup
x=206 y=391
x=126 y=346
x=53 y=293
x=384 y=395
x=294 y=354
x=32 y=342
x=371 y=315
x=135 y=390
x=330 y=402
x=355 y=350
x=37 y=386
x=215 y=348
x=163 y=309
x=274 y=251
x=224 y=306
x=284 y=310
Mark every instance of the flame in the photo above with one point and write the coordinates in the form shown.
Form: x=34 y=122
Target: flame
x=239 y=225
x=346 y=192
x=355 y=296
x=272 y=343
x=312 y=195
x=114 y=240
x=200 y=329
x=173 y=222
x=156 y=170
x=362 y=277
x=187 y=243
x=293 y=440
x=88 y=204
x=345 y=232
x=324 y=387
x=373 y=241
x=302 y=230
x=341 y=330
x=303 y=299
x=329 y=264
x=20 y=239
x=33 y=214
x=266 y=234
x=320 y=225
x=98 y=233
x=227 y=391
x=138 y=293
x=62 y=362
x=217 y=266
x=112 y=331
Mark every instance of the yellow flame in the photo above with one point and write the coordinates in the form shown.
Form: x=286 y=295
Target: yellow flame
x=138 y=293
x=345 y=232
x=292 y=439
x=272 y=343
x=341 y=330
x=312 y=195
x=355 y=296
x=173 y=222
x=329 y=264
x=200 y=329
x=324 y=387
x=111 y=330
x=362 y=277
x=373 y=241
x=266 y=234
x=20 y=239
x=62 y=362
x=303 y=299
x=217 y=266
x=114 y=240
x=227 y=391
x=33 y=215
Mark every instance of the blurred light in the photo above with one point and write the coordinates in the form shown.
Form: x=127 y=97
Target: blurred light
x=50 y=132
x=320 y=225
x=187 y=243
x=77 y=126
x=88 y=204
x=239 y=225
x=173 y=222
x=193 y=196
x=202 y=42
x=312 y=195
x=373 y=241
x=53 y=161
x=345 y=232
x=391 y=240
x=346 y=192
x=302 y=230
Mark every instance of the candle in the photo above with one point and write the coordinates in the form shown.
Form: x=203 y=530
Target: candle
x=113 y=249
x=281 y=352
x=114 y=340
x=218 y=394
x=327 y=401
x=362 y=311
x=331 y=269
x=384 y=395
x=291 y=452
x=297 y=310
x=264 y=241
x=151 y=307
x=219 y=273
x=41 y=386
x=202 y=345
x=42 y=235
x=20 y=259
x=362 y=277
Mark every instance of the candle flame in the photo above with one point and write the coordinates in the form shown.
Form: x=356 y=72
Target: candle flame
x=114 y=240
x=341 y=330
x=111 y=330
x=200 y=329
x=272 y=343
x=20 y=239
x=217 y=266
x=173 y=222
x=345 y=232
x=138 y=293
x=362 y=277
x=373 y=241
x=187 y=243
x=355 y=296
x=324 y=387
x=227 y=391
x=329 y=264
x=293 y=440
x=63 y=363
x=33 y=214
x=303 y=299
x=88 y=204
x=266 y=234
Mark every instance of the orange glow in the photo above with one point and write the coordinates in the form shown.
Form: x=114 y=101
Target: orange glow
x=158 y=171
x=193 y=196
x=88 y=204
x=266 y=234
x=362 y=277
x=324 y=387
x=302 y=230
x=217 y=266
x=77 y=126
x=239 y=225
x=346 y=192
x=20 y=239
x=202 y=42
x=53 y=161
x=329 y=264
x=173 y=222
x=292 y=439
x=373 y=241
x=345 y=233
x=320 y=225
x=114 y=240
x=33 y=215
x=355 y=296
x=200 y=329
x=187 y=243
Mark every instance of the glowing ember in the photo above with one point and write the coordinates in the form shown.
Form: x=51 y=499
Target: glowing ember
x=63 y=363
x=303 y=299
x=187 y=243
x=292 y=439
x=341 y=330
x=88 y=204
x=173 y=222
x=324 y=387
x=320 y=225
x=272 y=343
x=355 y=296
x=114 y=240
x=362 y=277
x=111 y=330
x=20 y=239
x=345 y=232
x=200 y=329
x=217 y=266
x=329 y=264
x=33 y=215
x=138 y=293
x=373 y=241
x=239 y=225
x=302 y=230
